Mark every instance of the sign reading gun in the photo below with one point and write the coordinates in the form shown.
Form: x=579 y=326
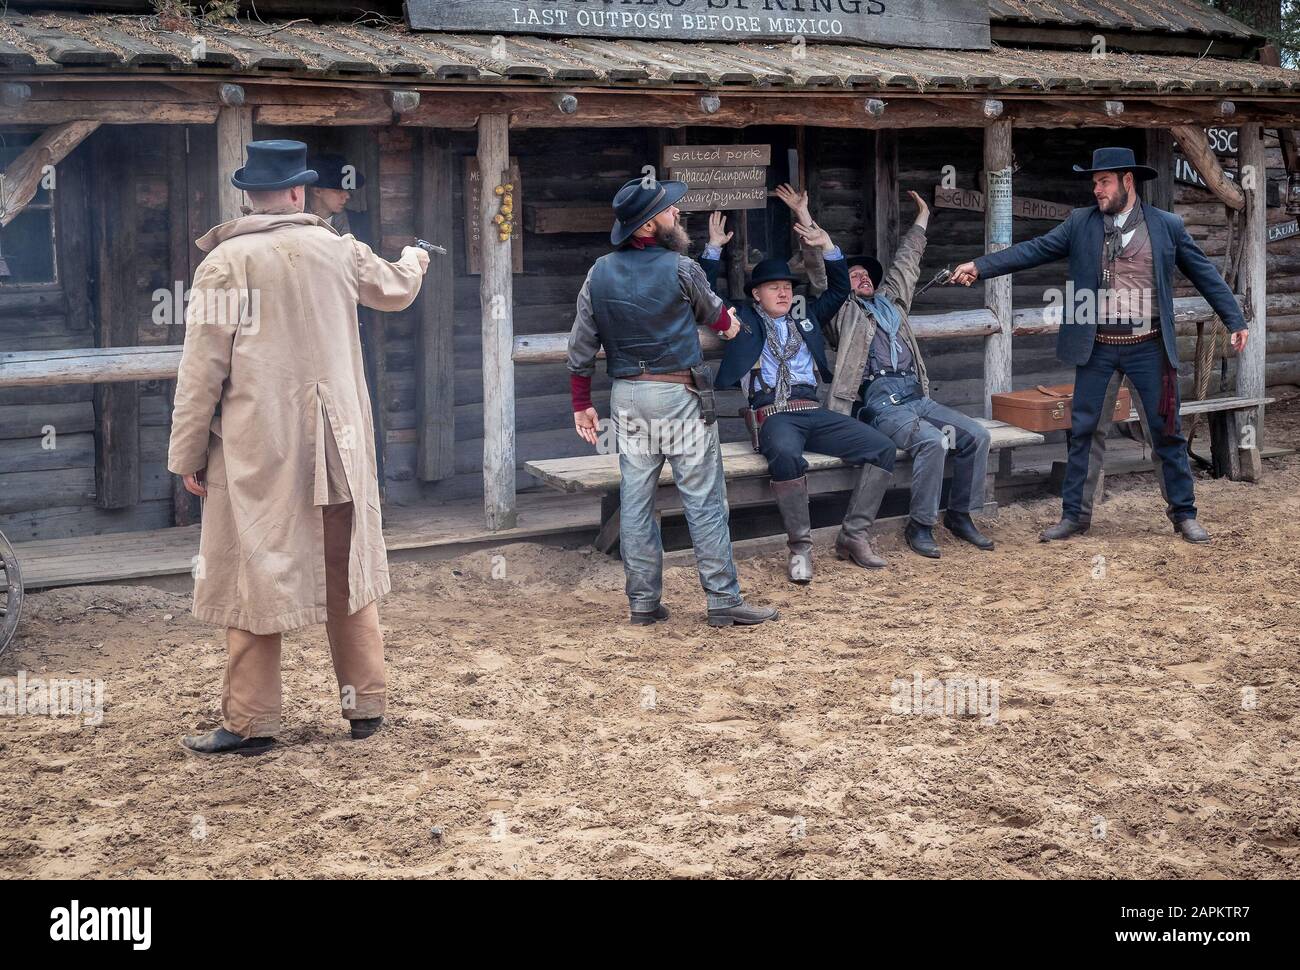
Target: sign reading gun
x=972 y=200
x=720 y=176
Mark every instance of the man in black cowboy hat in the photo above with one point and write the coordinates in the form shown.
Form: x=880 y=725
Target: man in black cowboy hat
x=272 y=428
x=329 y=196
x=880 y=377
x=642 y=303
x=777 y=358
x=1118 y=319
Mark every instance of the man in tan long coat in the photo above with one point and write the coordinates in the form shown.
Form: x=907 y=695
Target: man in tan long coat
x=272 y=428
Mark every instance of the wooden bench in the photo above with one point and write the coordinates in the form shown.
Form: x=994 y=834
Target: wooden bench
x=745 y=472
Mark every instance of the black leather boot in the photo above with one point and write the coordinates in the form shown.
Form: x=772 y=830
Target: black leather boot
x=1191 y=530
x=853 y=542
x=363 y=727
x=920 y=538
x=650 y=617
x=1063 y=530
x=742 y=614
x=222 y=741
x=963 y=526
x=792 y=502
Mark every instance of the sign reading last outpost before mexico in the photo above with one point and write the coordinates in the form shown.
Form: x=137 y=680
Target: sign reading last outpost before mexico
x=940 y=24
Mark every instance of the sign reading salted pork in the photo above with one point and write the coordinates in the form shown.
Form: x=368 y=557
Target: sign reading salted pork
x=942 y=24
x=720 y=176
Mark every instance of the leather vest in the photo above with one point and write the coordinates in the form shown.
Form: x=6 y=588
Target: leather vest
x=644 y=321
x=1130 y=299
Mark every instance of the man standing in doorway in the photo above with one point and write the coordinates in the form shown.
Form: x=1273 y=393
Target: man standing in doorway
x=1118 y=322
x=642 y=304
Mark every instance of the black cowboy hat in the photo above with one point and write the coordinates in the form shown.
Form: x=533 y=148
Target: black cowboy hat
x=871 y=265
x=1118 y=160
x=330 y=169
x=639 y=201
x=277 y=163
x=770 y=270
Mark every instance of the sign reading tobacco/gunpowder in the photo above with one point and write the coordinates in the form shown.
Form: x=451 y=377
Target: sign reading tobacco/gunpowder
x=907 y=23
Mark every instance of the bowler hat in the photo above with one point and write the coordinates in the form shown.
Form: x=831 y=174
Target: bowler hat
x=1118 y=160
x=871 y=265
x=334 y=171
x=639 y=201
x=277 y=163
x=770 y=270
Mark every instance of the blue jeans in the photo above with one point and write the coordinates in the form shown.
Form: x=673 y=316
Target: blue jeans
x=927 y=430
x=1096 y=385
x=654 y=421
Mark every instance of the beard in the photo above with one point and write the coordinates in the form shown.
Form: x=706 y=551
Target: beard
x=673 y=237
x=1116 y=205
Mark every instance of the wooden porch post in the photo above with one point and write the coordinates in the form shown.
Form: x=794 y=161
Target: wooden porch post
x=496 y=302
x=997 y=236
x=886 y=195
x=1254 y=263
x=234 y=131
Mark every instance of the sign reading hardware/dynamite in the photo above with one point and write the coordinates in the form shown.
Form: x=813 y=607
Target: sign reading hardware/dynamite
x=972 y=200
x=720 y=176
x=473 y=234
x=940 y=24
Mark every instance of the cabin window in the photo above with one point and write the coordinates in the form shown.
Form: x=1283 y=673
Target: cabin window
x=27 y=243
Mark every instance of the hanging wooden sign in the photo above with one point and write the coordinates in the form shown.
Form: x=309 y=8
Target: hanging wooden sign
x=473 y=230
x=1283 y=230
x=938 y=24
x=972 y=200
x=720 y=178
x=708 y=156
x=702 y=200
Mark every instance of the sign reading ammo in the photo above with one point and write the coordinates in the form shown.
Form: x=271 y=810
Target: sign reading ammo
x=943 y=24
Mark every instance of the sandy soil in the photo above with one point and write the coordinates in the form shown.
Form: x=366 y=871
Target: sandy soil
x=533 y=733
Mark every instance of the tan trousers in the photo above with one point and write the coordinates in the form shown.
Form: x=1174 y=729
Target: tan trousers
x=250 y=699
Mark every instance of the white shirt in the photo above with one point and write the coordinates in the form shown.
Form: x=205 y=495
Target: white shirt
x=1122 y=218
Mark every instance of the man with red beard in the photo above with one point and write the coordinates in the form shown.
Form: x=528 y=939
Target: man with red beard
x=642 y=303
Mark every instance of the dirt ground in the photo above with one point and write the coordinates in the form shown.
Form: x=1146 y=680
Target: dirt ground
x=1146 y=719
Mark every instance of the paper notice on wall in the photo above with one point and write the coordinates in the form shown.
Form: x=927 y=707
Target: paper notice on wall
x=999 y=208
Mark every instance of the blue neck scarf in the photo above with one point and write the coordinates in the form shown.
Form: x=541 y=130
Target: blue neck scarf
x=888 y=319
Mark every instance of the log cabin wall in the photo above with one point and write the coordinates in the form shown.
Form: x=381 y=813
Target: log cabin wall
x=51 y=492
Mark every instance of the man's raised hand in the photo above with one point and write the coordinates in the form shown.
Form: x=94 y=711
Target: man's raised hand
x=718 y=235
x=585 y=423
x=814 y=235
x=797 y=201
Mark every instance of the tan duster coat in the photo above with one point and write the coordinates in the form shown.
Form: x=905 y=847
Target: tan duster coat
x=271 y=367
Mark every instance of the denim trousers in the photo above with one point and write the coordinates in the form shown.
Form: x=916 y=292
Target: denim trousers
x=656 y=421
x=927 y=431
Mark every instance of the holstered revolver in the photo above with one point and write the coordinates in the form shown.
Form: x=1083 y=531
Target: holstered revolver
x=751 y=425
x=702 y=377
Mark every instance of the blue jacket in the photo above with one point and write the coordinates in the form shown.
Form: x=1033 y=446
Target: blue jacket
x=747 y=347
x=1080 y=238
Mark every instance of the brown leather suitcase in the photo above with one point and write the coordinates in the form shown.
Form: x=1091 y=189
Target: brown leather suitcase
x=1048 y=408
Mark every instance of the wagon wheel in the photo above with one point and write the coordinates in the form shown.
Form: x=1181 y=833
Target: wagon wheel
x=11 y=593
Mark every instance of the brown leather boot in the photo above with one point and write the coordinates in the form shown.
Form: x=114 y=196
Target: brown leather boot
x=792 y=501
x=853 y=542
